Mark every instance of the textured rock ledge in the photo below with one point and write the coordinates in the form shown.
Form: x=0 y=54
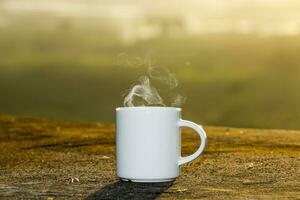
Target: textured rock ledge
x=43 y=159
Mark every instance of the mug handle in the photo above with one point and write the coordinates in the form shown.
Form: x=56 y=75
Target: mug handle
x=202 y=134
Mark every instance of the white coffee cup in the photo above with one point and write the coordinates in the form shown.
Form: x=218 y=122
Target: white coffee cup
x=148 y=147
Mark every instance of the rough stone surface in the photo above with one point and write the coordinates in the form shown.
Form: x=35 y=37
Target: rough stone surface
x=42 y=159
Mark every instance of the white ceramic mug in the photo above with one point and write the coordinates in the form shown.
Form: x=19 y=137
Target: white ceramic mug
x=148 y=147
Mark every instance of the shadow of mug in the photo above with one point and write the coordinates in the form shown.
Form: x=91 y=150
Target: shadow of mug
x=130 y=190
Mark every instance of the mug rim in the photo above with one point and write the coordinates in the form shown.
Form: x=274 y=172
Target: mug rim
x=148 y=107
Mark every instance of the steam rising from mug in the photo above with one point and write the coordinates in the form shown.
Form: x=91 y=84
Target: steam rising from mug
x=144 y=94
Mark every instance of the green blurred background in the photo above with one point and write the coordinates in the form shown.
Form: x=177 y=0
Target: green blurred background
x=237 y=62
